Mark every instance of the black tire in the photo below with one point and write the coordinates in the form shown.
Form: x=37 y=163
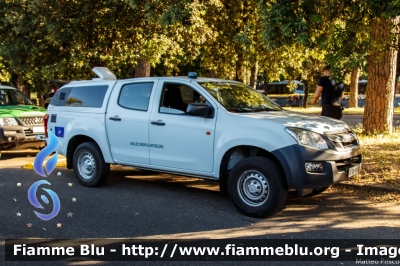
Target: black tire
x=89 y=165
x=316 y=191
x=257 y=187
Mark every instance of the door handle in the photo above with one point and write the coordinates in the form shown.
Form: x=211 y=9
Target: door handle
x=158 y=123
x=115 y=118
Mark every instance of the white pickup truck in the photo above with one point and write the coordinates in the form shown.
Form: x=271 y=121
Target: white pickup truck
x=210 y=128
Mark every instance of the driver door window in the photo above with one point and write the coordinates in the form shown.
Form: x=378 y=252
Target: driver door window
x=176 y=98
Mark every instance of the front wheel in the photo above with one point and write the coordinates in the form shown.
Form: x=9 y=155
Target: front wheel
x=89 y=165
x=257 y=187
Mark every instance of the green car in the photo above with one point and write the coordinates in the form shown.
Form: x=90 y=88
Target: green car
x=21 y=122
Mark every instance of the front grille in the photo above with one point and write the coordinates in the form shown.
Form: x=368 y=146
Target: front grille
x=31 y=120
x=28 y=132
x=344 y=165
x=343 y=141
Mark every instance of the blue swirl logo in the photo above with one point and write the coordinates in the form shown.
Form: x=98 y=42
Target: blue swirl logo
x=38 y=167
x=34 y=201
x=41 y=156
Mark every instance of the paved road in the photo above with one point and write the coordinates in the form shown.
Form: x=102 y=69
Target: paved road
x=140 y=204
x=354 y=120
x=282 y=100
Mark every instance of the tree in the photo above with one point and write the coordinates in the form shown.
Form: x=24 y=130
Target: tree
x=4 y=75
x=353 y=100
x=66 y=39
x=307 y=23
x=349 y=57
x=378 y=110
x=45 y=39
x=173 y=32
x=231 y=50
x=20 y=32
x=88 y=34
x=234 y=48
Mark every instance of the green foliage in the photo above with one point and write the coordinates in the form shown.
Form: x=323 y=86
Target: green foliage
x=46 y=39
x=341 y=28
x=4 y=75
x=223 y=36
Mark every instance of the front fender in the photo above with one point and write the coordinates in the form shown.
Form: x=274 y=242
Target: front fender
x=259 y=136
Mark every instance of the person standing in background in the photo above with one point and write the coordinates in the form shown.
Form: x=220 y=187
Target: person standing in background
x=332 y=95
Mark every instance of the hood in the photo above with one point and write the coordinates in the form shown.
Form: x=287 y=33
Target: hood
x=316 y=123
x=21 y=110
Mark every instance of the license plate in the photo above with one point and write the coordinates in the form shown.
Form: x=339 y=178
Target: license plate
x=38 y=129
x=354 y=170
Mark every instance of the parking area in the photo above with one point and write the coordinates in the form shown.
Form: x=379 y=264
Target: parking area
x=148 y=205
x=136 y=203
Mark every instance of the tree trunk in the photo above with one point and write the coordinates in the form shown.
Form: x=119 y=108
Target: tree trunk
x=253 y=76
x=240 y=68
x=353 y=101
x=240 y=72
x=378 y=110
x=27 y=90
x=21 y=85
x=142 y=68
x=212 y=74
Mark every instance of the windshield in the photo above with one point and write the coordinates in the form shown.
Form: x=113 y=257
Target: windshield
x=13 y=97
x=237 y=97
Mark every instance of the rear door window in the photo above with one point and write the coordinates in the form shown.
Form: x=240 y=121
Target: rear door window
x=136 y=96
x=87 y=96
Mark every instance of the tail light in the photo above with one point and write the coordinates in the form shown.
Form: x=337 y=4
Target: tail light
x=45 y=119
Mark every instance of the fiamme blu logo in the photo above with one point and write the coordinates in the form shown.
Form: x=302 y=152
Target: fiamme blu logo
x=45 y=172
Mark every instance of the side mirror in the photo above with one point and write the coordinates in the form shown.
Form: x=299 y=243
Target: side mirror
x=200 y=109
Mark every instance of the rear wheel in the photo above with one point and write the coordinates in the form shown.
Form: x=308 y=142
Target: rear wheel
x=257 y=187
x=89 y=165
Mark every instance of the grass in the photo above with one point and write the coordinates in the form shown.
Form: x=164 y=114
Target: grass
x=381 y=167
x=381 y=159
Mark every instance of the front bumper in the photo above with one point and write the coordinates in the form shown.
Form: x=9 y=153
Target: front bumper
x=337 y=165
x=15 y=137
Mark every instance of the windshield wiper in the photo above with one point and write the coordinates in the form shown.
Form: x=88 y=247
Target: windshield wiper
x=249 y=110
x=266 y=109
x=240 y=110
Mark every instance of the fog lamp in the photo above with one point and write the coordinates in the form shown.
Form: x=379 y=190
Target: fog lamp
x=314 y=167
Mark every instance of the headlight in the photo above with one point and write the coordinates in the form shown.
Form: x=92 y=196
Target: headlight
x=8 y=121
x=308 y=138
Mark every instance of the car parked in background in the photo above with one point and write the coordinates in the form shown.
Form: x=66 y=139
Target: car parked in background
x=21 y=122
